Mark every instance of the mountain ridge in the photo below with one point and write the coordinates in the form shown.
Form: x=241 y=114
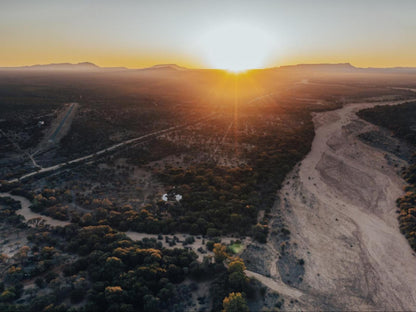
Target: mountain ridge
x=327 y=67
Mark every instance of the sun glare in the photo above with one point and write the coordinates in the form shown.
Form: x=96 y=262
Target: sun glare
x=236 y=47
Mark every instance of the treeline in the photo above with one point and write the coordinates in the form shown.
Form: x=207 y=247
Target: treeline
x=277 y=152
x=407 y=205
x=400 y=119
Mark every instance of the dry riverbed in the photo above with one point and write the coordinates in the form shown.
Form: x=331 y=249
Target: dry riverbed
x=339 y=205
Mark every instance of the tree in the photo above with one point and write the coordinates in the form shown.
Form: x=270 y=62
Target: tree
x=151 y=303
x=22 y=254
x=77 y=295
x=260 y=232
x=220 y=252
x=235 y=302
x=237 y=281
x=8 y=295
x=113 y=294
x=236 y=265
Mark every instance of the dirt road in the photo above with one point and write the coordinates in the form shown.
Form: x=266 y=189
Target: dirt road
x=339 y=205
x=64 y=122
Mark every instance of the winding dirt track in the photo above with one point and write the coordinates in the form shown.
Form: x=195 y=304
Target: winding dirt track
x=340 y=208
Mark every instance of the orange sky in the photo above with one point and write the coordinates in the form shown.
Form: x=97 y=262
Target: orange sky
x=143 y=33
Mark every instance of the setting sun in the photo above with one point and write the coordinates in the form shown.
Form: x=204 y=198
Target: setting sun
x=236 y=47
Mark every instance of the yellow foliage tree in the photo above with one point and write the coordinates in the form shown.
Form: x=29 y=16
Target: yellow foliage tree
x=236 y=265
x=220 y=252
x=235 y=302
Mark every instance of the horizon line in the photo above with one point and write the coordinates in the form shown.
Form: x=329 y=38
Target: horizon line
x=154 y=66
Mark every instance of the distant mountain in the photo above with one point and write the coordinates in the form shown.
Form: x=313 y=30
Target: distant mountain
x=393 y=70
x=67 y=66
x=345 y=68
x=85 y=66
x=341 y=67
x=167 y=66
x=120 y=68
x=64 y=66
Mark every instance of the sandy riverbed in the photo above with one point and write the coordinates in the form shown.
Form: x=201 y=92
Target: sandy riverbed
x=339 y=205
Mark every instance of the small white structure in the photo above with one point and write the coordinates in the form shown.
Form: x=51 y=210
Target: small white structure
x=170 y=196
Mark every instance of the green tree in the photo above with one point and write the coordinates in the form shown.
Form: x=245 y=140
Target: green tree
x=151 y=303
x=237 y=281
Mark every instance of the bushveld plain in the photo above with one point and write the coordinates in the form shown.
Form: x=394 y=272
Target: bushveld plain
x=169 y=189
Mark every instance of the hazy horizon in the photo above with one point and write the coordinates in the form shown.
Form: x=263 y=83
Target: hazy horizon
x=203 y=68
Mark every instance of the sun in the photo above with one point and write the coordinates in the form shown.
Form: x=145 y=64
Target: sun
x=236 y=47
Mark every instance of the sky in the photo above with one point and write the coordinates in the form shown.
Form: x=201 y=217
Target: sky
x=141 y=33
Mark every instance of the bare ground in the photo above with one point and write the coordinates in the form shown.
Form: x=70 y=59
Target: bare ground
x=59 y=127
x=339 y=206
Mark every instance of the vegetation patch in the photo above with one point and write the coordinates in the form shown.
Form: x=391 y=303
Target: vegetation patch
x=236 y=248
x=400 y=119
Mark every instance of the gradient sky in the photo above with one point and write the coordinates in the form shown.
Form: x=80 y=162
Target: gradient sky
x=142 y=33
